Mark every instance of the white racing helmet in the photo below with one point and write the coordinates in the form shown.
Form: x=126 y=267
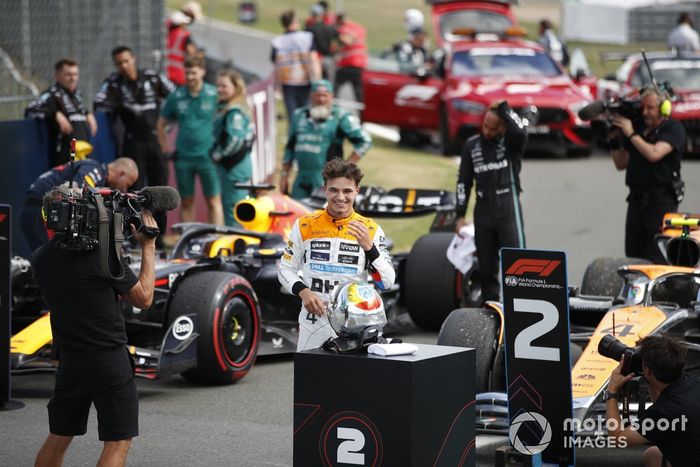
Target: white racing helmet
x=353 y=307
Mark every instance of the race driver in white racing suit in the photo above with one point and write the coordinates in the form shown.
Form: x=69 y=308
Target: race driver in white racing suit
x=331 y=246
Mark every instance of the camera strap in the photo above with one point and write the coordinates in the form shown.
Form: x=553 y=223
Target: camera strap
x=103 y=236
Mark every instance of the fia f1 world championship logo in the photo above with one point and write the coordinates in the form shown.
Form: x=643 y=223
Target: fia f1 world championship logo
x=529 y=419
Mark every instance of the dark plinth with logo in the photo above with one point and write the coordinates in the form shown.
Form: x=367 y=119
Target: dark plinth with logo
x=409 y=410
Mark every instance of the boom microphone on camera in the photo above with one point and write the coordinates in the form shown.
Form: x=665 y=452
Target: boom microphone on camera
x=159 y=198
x=592 y=110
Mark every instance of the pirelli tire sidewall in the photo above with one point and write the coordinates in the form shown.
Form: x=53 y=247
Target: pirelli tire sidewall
x=229 y=316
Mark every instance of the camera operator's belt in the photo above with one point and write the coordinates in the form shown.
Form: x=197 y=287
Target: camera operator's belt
x=109 y=250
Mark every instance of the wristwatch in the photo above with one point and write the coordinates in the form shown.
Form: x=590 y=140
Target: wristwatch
x=607 y=395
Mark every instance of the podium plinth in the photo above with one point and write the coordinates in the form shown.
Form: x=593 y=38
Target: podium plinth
x=411 y=410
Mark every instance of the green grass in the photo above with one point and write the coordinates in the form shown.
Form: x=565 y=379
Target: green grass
x=386 y=165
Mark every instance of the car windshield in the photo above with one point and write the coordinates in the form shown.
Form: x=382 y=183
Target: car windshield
x=681 y=74
x=487 y=61
x=481 y=21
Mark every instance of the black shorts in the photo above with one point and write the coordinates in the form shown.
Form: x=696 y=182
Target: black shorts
x=105 y=378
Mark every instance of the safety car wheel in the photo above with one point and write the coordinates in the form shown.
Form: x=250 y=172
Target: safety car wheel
x=228 y=315
x=476 y=328
x=431 y=286
x=601 y=278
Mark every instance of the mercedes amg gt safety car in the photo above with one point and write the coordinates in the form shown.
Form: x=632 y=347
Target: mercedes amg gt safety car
x=626 y=297
x=218 y=303
x=483 y=58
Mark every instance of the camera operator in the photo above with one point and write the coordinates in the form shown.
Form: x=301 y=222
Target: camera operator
x=119 y=174
x=90 y=340
x=672 y=423
x=651 y=153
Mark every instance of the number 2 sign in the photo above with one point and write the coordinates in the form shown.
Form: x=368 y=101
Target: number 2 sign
x=536 y=314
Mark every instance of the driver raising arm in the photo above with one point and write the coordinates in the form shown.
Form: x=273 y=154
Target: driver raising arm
x=331 y=246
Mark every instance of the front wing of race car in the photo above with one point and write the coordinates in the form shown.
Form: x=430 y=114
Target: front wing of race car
x=31 y=350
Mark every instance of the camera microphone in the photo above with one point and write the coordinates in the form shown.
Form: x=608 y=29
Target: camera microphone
x=159 y=198
x=592 y=110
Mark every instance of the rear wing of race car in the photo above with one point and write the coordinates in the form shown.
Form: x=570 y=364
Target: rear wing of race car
x=398 y=202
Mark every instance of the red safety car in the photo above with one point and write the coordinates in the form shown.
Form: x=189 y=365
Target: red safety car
x=679 y=71
x=482 y=58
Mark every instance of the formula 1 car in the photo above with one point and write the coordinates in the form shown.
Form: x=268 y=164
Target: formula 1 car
x=218 y=303
x=643 y=299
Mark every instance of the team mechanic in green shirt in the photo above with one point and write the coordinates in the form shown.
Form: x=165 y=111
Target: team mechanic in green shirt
x=193 y=106
x=233 y=140
x=316 y=135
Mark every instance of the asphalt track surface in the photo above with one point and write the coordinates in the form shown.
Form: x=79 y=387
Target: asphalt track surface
x=573 y=205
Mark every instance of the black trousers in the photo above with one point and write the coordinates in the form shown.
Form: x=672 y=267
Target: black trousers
x=153 y=169
x=146 y=152
x=352 y=75
x=645 y=212
x=32 y=224
x=498 y=223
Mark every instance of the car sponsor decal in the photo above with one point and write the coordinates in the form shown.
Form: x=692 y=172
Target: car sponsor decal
x=319 y=245
x=350 y=247
x=183 y=327
x=414 y=95
x=332 y=268
x=348 y=259
x=319 y=256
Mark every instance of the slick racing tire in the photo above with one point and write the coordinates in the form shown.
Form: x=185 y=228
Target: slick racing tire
x=228 y=315
x=431 y=283
x=601 y=278
x=476 y=328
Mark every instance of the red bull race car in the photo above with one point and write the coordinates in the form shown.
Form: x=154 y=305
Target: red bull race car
x=218 y=303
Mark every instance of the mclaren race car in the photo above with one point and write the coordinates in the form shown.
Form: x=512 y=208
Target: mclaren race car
x=625 y=297
x=218 y=303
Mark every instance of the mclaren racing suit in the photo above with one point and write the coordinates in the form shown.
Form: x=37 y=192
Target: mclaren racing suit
x=324 y=251
x=495 y=166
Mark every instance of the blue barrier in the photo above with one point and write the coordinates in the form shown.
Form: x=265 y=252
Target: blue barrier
x=25 y=156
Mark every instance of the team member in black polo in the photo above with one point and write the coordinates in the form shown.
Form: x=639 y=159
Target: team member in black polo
x=651 y=153
x=493 y=159
x=135 y=96
x=119 y=174
x=62 y=107
x=90 y=339
x=672 y=423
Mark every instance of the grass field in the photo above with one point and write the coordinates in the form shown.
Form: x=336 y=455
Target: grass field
x=387 y=165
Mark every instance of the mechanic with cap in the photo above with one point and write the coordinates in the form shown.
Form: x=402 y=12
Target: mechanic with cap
x=119 y=174
x=89 y=338
x=493 y=160
x=325 y=40
x=330 y=246
x=651 y=154
x=316 y=136
x=672 y=423
x=62 y=107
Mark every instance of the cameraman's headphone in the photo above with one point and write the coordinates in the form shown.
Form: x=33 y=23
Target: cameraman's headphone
x=665 y=107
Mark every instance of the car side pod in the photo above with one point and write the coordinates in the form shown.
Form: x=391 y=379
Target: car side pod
x=178 y=351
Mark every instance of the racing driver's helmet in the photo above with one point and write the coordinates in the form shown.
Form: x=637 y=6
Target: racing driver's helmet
x=356 y=314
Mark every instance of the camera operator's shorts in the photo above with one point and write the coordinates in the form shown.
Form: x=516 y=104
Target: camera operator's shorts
x=187 y=168
x=103 y=377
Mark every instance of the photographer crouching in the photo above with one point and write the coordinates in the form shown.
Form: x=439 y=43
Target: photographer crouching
x=650 y=149
x=672 y=423
x=88 y=329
